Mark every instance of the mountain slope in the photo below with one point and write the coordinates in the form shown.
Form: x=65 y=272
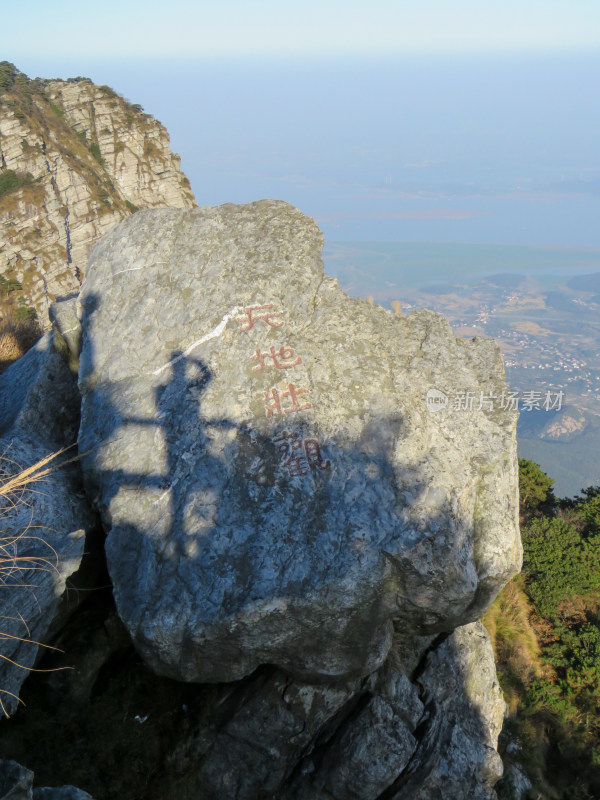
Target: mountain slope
x=75 y=159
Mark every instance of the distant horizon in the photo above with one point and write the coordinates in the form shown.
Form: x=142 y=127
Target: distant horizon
x=491 y=149
x=36 y=65
x=551 y=247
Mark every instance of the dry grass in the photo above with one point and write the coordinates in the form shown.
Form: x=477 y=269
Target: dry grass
x=15 y=568
x=16 y=338
x=513 y=629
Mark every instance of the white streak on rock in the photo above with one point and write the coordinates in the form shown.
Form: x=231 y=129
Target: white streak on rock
x=136 y=269
x=212 y=335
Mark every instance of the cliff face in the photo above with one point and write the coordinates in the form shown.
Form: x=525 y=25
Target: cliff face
x=75 y=159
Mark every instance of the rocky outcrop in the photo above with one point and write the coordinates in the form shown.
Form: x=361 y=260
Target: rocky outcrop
x=16 y=783
x=80 y=158
x=413 y=729
x=298 y=537
x=459 y=681
x=274 y=487
x=390 y=736
x=43 y=522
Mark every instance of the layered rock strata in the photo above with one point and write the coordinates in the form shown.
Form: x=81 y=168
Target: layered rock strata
x=77 y=159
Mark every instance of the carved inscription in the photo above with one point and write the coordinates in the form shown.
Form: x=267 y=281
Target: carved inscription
x=299 y=456
x=251 y=317
x=280 y=359
x=274 y=401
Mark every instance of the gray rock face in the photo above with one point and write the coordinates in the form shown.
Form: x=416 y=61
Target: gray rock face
x=275 y=488
x=16 y=783
x=516 y=781
x=254 y=752
x=65 y=322
x=39 y=400
x=385 y=736
x=42 y=530
x=60 y=793
x=457 y=757
x=433 y=738
x=376 y=745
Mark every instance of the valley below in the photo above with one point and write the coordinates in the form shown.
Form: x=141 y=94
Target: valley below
x=541 y=304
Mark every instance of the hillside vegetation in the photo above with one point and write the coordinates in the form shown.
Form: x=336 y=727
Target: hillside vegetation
x=545 y=626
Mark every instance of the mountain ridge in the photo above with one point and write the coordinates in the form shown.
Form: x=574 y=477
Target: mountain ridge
x=75 y=159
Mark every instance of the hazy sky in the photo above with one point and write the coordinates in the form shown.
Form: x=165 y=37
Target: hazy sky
x=419 y=120
x=184 y=28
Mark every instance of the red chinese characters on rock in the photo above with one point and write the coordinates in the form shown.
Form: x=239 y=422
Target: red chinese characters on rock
x=277 y=401
x=281 y=359
x=274 y=400
x=300 y=456
x=250 y=317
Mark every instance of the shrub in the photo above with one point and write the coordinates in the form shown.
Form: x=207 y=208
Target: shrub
x=25 y=313
x=95 y=151
x=107 y=90
x=10 y=180
x=559 y=563
x=8 y=72
x=8 y=286
x=553 y=685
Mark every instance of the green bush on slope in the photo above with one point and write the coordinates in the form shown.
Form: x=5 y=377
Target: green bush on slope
x=10 y=180
x=554 y=701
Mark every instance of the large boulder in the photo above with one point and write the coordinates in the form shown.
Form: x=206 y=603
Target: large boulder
x=275 y=486
x=39 y=401
x=42 y=522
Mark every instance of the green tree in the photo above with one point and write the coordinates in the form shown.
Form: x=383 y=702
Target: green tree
x=535 y=488
x=8 y=72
